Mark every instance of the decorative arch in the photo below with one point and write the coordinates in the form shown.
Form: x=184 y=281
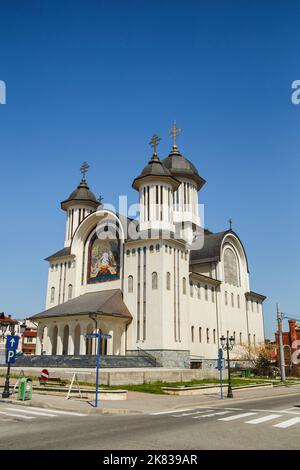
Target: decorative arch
x=231 y=266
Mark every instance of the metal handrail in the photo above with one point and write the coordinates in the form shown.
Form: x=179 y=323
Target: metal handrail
x=149 y=356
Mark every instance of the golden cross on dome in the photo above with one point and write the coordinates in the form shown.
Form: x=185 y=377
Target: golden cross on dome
x=230 y=224
x=154 y=142
x=84 y=168
x=174 y=132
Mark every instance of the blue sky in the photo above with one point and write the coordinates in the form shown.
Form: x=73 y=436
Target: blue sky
x=95 y=80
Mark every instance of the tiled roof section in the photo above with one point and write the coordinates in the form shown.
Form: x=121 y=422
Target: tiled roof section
x=59 y=254
x=5 y=319
x=178 y=165
x=107 y=302
x=211 y=250
x=255 y=296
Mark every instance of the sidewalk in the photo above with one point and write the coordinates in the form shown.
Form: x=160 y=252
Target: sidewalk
x=137 y=402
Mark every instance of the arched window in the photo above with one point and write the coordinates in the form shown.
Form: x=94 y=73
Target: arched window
x=207 y=335
x=200 y=334
x=70 y=291
x=168 y=281
x=130 y=283
x=226 y=297
x=154 y=280
x=232 y=300
x=231 y=270
x=214 y=336
x=151 y=249
x=191 y=289
x=238 y=301
x=199 y=290
x=192 y=332
x=206 y=292
x=184 y=285
x=52 y=294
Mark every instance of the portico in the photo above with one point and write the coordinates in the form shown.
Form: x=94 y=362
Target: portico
x=62 y=330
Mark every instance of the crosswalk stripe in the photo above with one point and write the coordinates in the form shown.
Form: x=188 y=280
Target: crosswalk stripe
x=16 y=415
x=287 y=424
x=39 y=413
x=213 y=414
x=60 y=412
x=263 y=419
x=192 y=413
x=241 y=415
x=172 y=411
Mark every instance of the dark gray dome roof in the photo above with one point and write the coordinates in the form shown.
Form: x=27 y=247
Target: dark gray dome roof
x=155 y=168
x=82 y=194
x=178 y=165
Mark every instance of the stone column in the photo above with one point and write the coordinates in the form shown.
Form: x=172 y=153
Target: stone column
x=60 y=332
x=71 y=338
x=38 y=347
x=47 y=342
x=110 y=343
x=123 y=337
x=82 y=345
x=116 y=343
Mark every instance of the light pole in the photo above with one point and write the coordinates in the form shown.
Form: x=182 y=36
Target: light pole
x=227 y=345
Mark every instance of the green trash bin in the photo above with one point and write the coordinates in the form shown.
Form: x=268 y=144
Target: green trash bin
x=25 y=389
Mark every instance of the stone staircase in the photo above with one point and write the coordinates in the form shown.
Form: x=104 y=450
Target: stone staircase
x=85 y=361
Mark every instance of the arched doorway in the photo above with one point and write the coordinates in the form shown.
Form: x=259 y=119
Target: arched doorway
x=103 y=345
x=77 y=332
x=66 y=339
x=89 y=341
x=54 y=340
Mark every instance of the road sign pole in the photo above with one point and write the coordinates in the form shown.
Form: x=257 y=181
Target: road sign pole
x=97 y=368
x=5 y=393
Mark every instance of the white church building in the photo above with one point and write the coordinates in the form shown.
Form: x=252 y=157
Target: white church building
x=157 y=284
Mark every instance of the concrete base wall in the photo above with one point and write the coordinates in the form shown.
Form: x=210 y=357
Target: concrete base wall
x=167 y=357
x=122 y=376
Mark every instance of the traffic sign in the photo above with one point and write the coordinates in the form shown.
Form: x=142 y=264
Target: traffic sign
x=12 y=342
x=45 y=375
x=105 y=336
x=10 y=356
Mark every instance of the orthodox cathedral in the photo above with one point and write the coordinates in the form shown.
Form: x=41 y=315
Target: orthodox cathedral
x=157 y=284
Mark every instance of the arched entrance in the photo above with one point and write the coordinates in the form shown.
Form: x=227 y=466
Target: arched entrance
x=77 y=332
x=66 y=339
x=89 y=341
x=54 y=340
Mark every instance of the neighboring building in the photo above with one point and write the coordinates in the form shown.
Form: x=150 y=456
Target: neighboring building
x=148 y=287
x=7 y=326
x=291 y=344
x=29 y=337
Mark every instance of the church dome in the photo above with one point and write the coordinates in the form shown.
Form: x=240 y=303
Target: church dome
x=178 y=165
x=155 y=170
x=82 y=194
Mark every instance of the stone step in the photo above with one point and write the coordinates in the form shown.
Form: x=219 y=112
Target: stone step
x=83 y=361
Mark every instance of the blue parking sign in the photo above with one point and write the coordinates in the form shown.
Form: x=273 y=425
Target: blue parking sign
x=12 y=342
x=10 y=355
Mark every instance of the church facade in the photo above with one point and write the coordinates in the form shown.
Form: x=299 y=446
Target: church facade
x=158 y=283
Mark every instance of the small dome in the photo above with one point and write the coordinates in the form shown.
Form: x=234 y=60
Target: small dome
x=82 y=194
x=155 y=169
x=178 y=165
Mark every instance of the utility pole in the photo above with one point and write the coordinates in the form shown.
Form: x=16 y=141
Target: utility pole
x=281 y=353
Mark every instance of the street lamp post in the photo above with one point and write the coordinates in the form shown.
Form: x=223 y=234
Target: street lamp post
x=227 y=345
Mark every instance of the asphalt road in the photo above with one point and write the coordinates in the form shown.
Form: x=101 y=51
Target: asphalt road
x=272 y=423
